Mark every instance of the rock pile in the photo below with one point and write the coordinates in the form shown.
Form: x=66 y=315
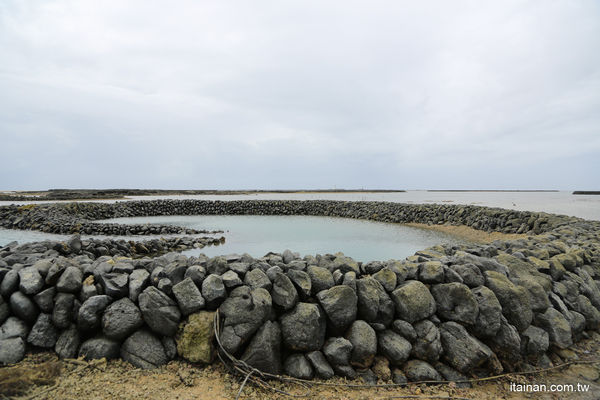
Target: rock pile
x=444 y=313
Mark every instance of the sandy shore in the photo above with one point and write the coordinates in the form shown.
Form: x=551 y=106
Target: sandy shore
x=468 y=233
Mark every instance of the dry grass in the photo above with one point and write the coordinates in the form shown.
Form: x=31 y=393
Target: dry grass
x=19 y=379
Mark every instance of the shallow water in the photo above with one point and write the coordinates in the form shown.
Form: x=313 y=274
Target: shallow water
x=258 y=235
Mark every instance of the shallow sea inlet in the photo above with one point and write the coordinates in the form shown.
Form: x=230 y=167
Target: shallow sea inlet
x=258 y=235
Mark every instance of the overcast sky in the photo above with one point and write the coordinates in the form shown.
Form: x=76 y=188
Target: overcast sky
x=300 y=94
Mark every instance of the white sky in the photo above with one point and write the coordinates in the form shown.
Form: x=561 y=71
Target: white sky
x=300 y=94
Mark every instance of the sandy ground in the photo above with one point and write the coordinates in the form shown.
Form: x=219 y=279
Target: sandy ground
x=75 y=379
x=468 y=233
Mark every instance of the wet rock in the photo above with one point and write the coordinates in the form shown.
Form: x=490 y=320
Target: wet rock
x=30 y=281
x=195 y=338
x=489 y=318
x=405 y=329
x=393 y=346
x=159 y=311
x=188 y=297
x=418 y=371
x=321 y=279
x=297 y=366
x=11 y=350
x=244 y=312
x=121 y=319
x=461 y=350
x=427 y=346
x=264 y=350
x=374 y=304
x=144 y=350
x=99 y=347
x=338 y=351
x=138 y=280
x=455 y=302
x=340 y=306
x=413 y=301
x=70 y=281
x=364 y=344
x=320 y=364
x=43 y=333
x=303 y=328
x=213 y=291
x=89 y=315
x=22 y=307
x=67 y=343
x=284 y=293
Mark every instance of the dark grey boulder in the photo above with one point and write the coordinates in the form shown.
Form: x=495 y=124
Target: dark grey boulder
x=515 y=301
x=302 y=282
x=264 y=350
x=418 y=371
x=4 y=310
x=121 y=319
x=284 y=293
x=393 y=346
x=257 y=279
x=175 y=272
x=74 y=244
x=489 y=318
x=506 y=343
x=13 y=327
x=345 y=371
x=99 y=347
x=11 y=350
x=115 y=285
x=591 y=313
x=461 y=350
x=374 y=304
x=349 y=279
x=62 y=313
x=273 y=271
x=43 y=266
x=398 y=377
x=431 y=272
x=413 y=301
x=188 y=297
x=345 y=264
x=43 y=333
x=303 y=327
x=45 y=299
x=217 y=265
x=159 y=311
x=455 y=302
x=170 y=346
x=144 y=350
x=428 y=345
x=88 y=290
x=70 y=281
x=30 y=281
x=240 y=268
x=321 y=279
x=244 y=312
x=22 y=307
x=338 y=351
x=89 y=315
x=405 y=329
x=364 y=344
x=558 y=328
x=165 y=285
x=452 y=375
x=231 y=279
x=196 y=273
x=470 y=274
x=67 y=343
x=54 y=273
x=297 y=366
x=213 y=291
x=10 y=283
x=534 y=341
x=138 y=280
x=340 y=306
x=320 y=364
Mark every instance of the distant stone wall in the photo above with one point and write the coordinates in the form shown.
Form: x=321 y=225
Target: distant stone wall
x=444 y=313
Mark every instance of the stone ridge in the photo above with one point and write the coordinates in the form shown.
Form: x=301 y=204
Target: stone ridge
x=445 y=312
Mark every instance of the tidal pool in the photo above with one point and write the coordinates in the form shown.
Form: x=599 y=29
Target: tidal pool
x=257 y=235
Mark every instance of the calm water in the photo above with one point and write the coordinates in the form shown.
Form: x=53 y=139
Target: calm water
x=563 y=202
x=258 y=235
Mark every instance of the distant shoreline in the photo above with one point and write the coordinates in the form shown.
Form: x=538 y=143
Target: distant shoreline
x=490 y=190
x=592 y=192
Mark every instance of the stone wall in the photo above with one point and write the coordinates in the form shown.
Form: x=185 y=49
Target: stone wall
x=444 y=313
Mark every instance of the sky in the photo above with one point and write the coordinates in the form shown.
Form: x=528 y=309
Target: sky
x=300 y=94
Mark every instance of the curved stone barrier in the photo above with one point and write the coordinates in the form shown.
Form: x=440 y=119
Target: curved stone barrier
x=444 y=313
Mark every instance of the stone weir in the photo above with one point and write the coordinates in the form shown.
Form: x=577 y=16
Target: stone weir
x=447 y=312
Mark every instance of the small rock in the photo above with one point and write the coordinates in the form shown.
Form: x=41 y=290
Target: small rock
x=99 y=347
x=121 y=319
x=23 y=307
x=188 y=297
x=213 y=291
x=393 y=346
x=11 y=350
x=320 y=278
x=144 y=350
x=67 y=343
x=70 y=281
x=43 y=333
x=159 y=311
x=297 y=366
x=30 y=281
x=322 y=368
x=338 y=351
x=418 y=371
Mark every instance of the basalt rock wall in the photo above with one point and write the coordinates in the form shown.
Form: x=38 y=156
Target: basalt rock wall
x=446 y=312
